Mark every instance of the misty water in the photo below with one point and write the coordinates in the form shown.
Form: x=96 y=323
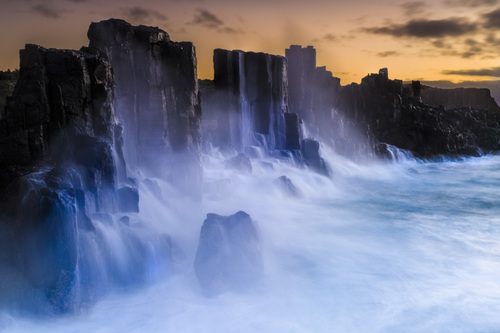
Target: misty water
x=407 y=246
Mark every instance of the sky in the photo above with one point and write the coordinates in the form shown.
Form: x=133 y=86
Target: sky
x=441 y=41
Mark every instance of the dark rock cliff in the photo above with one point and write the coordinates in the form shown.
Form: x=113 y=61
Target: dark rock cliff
x=246 y=104
x=156 y=99
x=358 y=120
x=476 y=98
x=61 y=103
x=57 y=169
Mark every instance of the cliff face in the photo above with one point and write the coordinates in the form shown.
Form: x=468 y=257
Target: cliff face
x=156 y=99
x=386 y=112
x=62 y=99
x=358 y=120
x=314 y=94
x=248 y=100
x=66 y=196
x=57 y=170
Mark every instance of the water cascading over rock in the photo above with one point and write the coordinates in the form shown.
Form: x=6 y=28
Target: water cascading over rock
x=57 y=165
x=69 y=228
x=247 y=103
x=156 y=100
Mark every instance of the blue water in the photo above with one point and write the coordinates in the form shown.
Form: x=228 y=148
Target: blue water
x=380 y=247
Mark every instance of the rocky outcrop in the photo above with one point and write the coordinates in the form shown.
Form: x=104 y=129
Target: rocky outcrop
x=314 y=95
x=301 y=80
x=385 y=111
x=60 y=113
x=246 y=104
x=357 y=118
x=156 y=99
x=57 y=167
x=228 y=255
x=476 y=98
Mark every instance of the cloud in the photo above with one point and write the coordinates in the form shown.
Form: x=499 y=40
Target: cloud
x=209 y=20
x=227 y=30
x=414 y=7
x=139 y=14
x=492 y=19
x=491 y=72
x=426 y=28
x=388 y=54
x=470 y=3
x=330 y=38
x=47 y=10
x=77 y=0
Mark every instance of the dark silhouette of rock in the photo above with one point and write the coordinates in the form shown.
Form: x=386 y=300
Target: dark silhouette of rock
x=311 y=156
x=228 y=255
x=293 y=133
x=475 y=98
x=388 y=112
x=314 y=95
x=61 y=98
x=156 y=99
x=246 y=104
x=301 y=78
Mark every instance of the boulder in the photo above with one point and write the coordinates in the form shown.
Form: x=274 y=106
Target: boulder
x=228 y=255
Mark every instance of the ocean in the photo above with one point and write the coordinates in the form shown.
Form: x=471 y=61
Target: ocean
x=380 y=246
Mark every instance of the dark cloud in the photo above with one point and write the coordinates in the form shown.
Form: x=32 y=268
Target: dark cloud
x=440 y=44
x=227 y=30
x=414 y=7
x=492 y=19
x=426 y=28
x=470 y=3
x=330 y=38
x=492 y=72
x=47 y=10
x=207 y=19
x=77 y=0
x=388 y=54
x=141 y=14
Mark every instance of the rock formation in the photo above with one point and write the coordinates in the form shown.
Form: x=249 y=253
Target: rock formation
x=476 y=98
x=66 y=162
x=387 y=112
x=228 y=256
x=156 y=98
x=314 y=95
x=357 y=120
x=57 y=165
x=63 y=100
x=248 y=100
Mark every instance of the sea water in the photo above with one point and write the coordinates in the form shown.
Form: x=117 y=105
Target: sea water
x=407 y=246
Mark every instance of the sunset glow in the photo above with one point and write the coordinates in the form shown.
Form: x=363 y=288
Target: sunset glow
x=446 y=40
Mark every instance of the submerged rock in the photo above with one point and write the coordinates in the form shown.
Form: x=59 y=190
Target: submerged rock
x=240 y=163
x=228 y=255
x=286 y=185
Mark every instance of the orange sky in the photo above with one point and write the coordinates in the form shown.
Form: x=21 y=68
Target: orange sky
x=450 y=40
